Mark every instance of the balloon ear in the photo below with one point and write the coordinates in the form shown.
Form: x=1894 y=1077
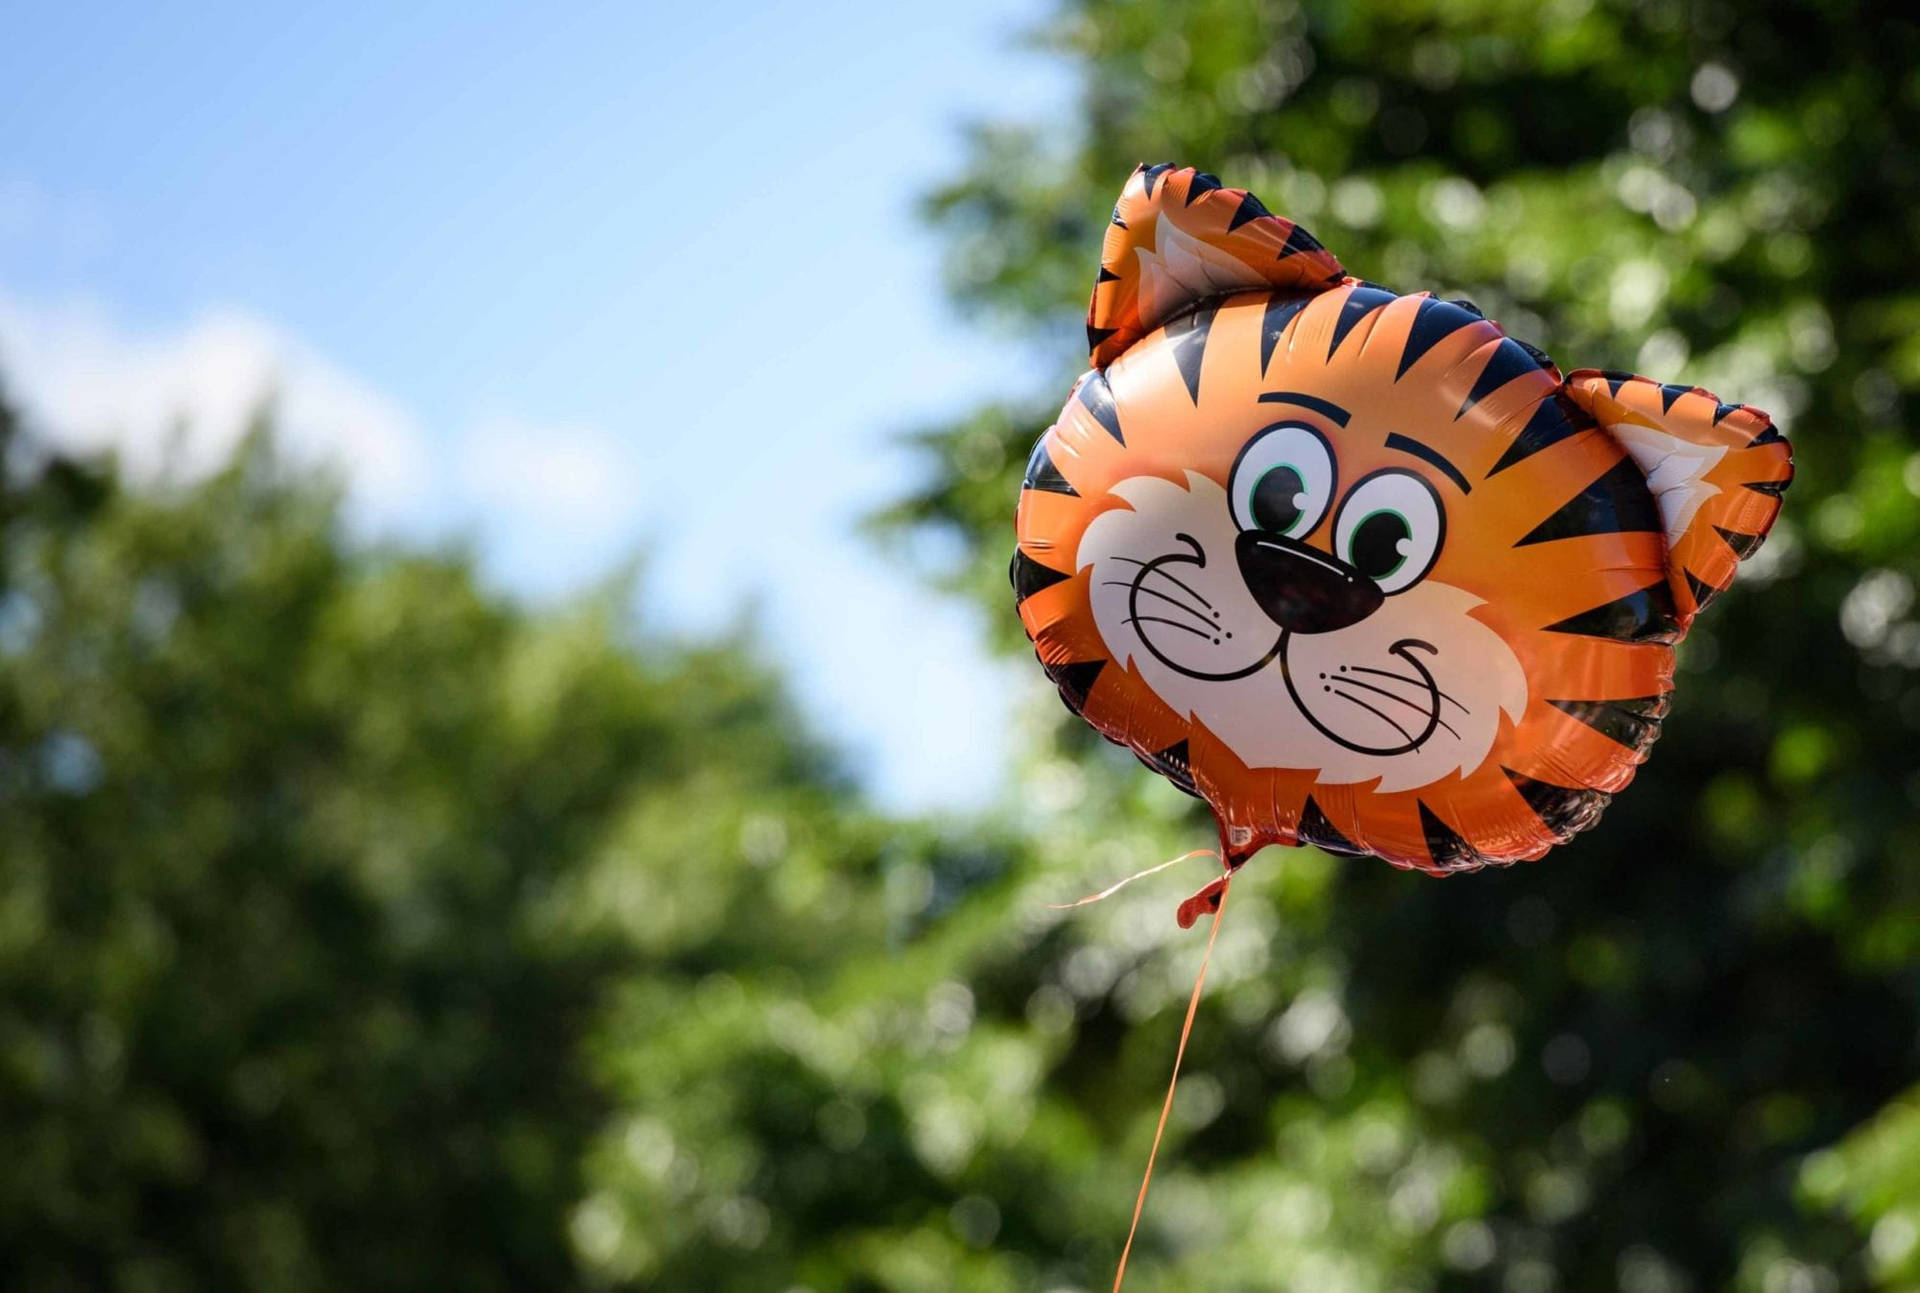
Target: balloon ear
x=1176 y=239
x=1716 y=470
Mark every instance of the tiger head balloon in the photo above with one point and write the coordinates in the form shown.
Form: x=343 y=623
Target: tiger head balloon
x=1355 y=567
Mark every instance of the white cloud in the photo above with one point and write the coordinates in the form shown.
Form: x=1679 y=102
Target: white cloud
x=556 y=505
x=578 y=479
x=175 y=402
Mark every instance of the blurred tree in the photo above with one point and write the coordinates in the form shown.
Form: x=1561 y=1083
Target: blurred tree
x=359 y=928
x=285 y=1000
x=1620 y=1066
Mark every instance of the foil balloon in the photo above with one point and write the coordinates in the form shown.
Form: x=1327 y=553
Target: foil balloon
x=1355 y=567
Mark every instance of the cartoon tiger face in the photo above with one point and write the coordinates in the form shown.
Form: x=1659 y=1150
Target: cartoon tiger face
x=1355 y=567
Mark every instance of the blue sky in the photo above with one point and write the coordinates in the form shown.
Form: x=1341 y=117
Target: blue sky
x=565 y=283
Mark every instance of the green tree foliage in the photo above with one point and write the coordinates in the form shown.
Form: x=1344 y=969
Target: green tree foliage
x=289 y=997
x=1629 y=1059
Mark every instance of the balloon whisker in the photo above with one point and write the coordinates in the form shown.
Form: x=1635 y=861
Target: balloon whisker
x=1421 y=710
x=1380 y=714
x=1137 y=620
x=1162 y=572
x=1416 y=682
x=1165 y=597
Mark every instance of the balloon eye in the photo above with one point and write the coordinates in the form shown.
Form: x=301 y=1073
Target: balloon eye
x=1380 y=544
x=1390 y=529
x=1277 y=497
x=1283 y=481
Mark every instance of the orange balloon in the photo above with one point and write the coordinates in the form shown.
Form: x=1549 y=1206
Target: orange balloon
x=1354 y=567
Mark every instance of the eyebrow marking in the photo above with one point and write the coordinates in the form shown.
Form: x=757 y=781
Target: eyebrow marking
x=1314 y=402
x=1427 y=452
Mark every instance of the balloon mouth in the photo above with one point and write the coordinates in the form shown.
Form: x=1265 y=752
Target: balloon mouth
x=1368 y=694
x=1140 y=615
x=1305 y=593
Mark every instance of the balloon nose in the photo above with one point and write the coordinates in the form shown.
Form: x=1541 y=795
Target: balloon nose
x=1303 y=589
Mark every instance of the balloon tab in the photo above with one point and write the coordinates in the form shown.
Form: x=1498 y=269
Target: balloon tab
x=1204 y=903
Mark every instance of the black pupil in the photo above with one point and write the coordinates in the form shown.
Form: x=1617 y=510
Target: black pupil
x=1273 y=503
x=1376 y=544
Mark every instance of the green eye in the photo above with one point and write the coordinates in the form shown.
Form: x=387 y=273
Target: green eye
x=1275 y=503
x=1390 y=528
x=1283 y=480
x=1379 y=544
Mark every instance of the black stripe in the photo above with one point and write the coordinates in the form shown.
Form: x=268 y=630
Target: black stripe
x=1315 y=829
x=1172 y=764
x=1770 y=436
x=1397 y=441
x=1187 y=336
x=1360 y=302
x=1668 y=394
x=1743 y=545
x=1444 y=845
x=1201 y=183
x=1314 y=402
x=1105 y=276
x=1616 y=379
x=1555 y=419
x=1097 y=335
x=1116 y=221
x=1075 y=681
x=1153 y=174
x=1646 y=615
x=1508 y=362
x=1565 y=810
x=1043 y=475
x=1632 y=723
x=1097 y=398
x=1540 y=356
x=1298 y=241
x=1250 y=208
x=1436 y=321
x=1702 y=592
x=1618 y=502
x=1775 y=488
x=1282 y=307
x=1029 y=577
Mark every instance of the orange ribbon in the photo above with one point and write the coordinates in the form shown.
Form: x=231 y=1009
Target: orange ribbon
x=1214 y=896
